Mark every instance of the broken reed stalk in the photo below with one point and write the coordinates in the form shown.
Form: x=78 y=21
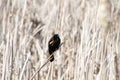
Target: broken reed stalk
x=43 y=65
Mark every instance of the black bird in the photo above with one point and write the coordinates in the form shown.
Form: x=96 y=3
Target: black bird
x=53 y=45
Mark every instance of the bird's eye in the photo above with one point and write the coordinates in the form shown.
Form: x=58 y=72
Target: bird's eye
x=52 y=41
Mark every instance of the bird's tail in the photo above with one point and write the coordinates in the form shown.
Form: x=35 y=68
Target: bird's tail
x=52 y=58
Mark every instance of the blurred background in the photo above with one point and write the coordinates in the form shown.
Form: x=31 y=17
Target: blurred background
x=89 y=30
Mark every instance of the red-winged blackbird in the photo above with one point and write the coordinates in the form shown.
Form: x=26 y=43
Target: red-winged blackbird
x=53 y=45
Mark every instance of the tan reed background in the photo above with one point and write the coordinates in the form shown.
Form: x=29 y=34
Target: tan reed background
x=89 y=29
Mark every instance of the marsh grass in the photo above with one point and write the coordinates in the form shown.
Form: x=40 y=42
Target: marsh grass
x=27 y=25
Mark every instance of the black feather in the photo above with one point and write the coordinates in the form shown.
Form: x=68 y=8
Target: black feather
x=53 y=45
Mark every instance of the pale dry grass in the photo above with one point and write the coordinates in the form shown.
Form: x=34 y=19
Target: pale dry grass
x=27 y=25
